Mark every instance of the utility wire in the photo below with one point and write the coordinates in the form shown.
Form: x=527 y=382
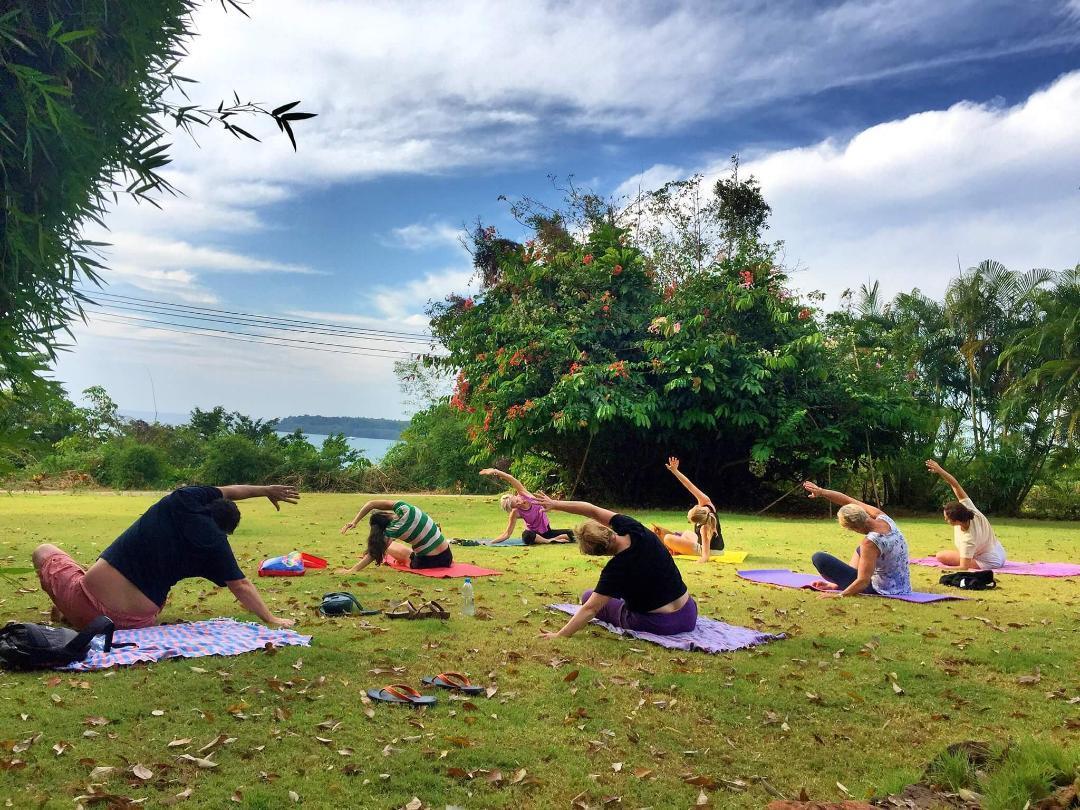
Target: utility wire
x=143 y=309
x=91 y=294
x=269 y=340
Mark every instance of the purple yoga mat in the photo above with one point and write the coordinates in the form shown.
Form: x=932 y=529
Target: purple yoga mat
x=789 y=579
x=1038 y=569
x=709 y=636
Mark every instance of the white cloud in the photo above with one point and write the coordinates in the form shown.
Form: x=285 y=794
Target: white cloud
x=426 y=236
x=904 y=200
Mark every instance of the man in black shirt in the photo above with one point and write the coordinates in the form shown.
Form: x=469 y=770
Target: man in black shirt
x=640 y=588
x=185 y=534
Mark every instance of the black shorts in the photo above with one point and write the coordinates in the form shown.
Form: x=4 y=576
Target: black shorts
x=528 y=537
x=444 y=559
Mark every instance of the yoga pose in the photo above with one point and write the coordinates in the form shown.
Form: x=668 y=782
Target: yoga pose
x=185 y=534
x=523 y=505
x=706 y=535
x=976 y=544
x=880 y=562
x=640 y=587
x=403 y=531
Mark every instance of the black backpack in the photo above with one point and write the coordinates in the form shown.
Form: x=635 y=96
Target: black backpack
x=970 y=580
x=38 y=646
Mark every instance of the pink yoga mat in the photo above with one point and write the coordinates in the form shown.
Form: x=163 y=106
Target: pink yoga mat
x=456 y=570
x=789 y=579
x=1039 y=569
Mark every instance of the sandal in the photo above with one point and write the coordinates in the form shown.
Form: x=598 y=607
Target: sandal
x=406 y=610
x=400 y=693
x=432 y=610
x=455 y=681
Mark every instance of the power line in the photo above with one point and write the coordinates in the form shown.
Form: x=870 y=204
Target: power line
x=115 y=308
x=266 y=318
x=267 y=340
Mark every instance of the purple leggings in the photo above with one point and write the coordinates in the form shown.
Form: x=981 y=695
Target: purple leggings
x=617 y=613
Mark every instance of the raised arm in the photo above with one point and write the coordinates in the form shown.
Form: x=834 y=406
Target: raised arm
x=508 y=478
x=839 y=498
x=276 y=493
x=954 y=485
x=378 y=503
x=583 y=508
x=673 y=467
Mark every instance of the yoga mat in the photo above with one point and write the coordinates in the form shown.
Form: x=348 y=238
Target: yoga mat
x=190 y=640
x=458 y=569
x=709 y=636
x=733 y=557
x=487 y=541
x=789 y=579
x=1038 y=569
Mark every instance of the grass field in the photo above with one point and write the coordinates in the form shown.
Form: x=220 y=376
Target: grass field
x=638 y=722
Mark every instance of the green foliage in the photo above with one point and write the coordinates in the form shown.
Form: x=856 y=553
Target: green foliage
x=85 y=88
x=952 y=770
x=127 y=464
x=1029 y=771
x=579 y=350
x=232 y=458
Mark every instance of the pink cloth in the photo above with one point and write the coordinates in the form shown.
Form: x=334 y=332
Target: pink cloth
x=1038 y=569
x=63 y=580
x=458 y=569
x=535 y=517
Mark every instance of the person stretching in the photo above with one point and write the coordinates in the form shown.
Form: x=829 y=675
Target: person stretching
x=640 y=587
x=977 y=546
x=403 y=531
x=706 y=535
x=880 y=562
x=522 y=504
x=185 y=534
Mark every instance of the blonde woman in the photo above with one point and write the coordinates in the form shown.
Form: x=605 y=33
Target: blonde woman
x=706 y=535
x=522 y=505
x=640 y=587
x=880 y=562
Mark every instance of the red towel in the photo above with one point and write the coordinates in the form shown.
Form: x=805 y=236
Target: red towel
x=456 y=570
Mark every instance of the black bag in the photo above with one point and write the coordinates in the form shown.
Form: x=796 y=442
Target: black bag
x=37 y=646
x=970 y=580
x=341 y=603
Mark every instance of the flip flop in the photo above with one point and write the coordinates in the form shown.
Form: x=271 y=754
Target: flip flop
x=455 y=681
x=400 y=693
x=432 y=610
x=406 y=610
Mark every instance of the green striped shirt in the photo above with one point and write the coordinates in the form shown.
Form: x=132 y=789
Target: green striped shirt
x=415 y=527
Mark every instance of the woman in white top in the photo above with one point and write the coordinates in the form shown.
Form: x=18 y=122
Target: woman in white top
x=977 y=546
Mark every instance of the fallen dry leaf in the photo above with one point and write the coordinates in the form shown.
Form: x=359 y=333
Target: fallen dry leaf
x=142 y=772
x=200 y=761
x=571 y=676
x=178 y=743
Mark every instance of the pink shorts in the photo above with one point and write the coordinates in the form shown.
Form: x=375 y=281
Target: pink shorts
x=63 y=580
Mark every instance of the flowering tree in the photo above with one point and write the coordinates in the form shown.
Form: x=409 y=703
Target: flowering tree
x=583 y=351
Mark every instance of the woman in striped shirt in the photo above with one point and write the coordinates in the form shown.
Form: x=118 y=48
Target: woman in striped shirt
x=403 y=531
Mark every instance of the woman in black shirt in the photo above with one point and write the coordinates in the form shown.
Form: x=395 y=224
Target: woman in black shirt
x=640 y=587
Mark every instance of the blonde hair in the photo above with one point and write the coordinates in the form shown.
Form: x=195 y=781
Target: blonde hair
x=854 y=517
x=507 y=501
x=704 y=517
x=594 y=538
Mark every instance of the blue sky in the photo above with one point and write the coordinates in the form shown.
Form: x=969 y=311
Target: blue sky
x=894 y=138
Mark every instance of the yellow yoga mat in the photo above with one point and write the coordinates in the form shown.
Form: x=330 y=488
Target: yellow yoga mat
x=732 y=557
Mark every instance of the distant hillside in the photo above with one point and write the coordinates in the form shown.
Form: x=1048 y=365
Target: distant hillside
x=358 y=427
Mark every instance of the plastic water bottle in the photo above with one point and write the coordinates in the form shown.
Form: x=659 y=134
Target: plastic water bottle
x=97 y=643
x=468 y=607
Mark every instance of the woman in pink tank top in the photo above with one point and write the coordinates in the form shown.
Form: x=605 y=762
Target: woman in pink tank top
x=521 y=504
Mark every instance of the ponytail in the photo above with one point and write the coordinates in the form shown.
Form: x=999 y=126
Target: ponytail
x=377 y=541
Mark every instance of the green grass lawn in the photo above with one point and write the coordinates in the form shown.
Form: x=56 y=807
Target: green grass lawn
x=593 y=714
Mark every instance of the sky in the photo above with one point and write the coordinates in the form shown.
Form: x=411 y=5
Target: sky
x=896 y=140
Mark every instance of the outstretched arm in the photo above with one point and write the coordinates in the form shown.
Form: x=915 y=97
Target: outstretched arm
x=509 y=527
x=275 y=493
x=508 y=478
x=839 y=498
x=940 y=471
x=248 y=596
x=583 y=508
x=379 y=503
x=673 y=467
x=585 y=614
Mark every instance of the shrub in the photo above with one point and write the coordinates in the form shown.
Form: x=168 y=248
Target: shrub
x=234 y=459
x=130 y=465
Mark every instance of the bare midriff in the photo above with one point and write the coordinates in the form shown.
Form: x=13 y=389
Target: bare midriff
x=672 y=607
x=116 y=592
